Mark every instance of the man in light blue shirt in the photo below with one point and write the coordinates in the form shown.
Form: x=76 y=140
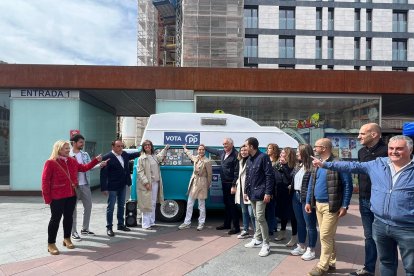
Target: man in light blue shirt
x=392 y=202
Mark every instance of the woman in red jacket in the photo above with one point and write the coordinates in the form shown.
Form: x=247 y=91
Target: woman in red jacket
x=59 y=180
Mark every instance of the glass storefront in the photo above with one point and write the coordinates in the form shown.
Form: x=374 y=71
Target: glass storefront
x=4 y=137
x=304 y=117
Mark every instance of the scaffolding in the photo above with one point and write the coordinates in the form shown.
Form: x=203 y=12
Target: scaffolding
x=212 y=33
x=147 y=44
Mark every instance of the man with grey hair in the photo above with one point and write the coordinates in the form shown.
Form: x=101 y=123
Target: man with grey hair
x=392 y=202
x=229 y=173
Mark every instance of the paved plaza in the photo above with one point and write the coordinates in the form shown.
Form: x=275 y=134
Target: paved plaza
x=164 y=251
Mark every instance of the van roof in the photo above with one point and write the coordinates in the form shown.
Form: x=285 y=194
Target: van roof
x=213 y=128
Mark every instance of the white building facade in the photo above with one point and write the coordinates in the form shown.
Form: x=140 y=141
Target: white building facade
x=340 y=35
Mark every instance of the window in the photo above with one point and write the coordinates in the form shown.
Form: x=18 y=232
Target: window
x=318 y=47
x=400 y=1
x=330 y=47
x=357 y=68
x=318 y=19
x=357 y=48
x=250 y=17
x=357 y=20
x=399 y=49
x=318 y=67
x=368 y=68
x=250 y=47
x=286 y=18
x=368 y=52
x=286 y=47
x=399 y=21
x=286 y=66
x=369 y=20
x=399 y=69
x=330 y=67
x=331 y=19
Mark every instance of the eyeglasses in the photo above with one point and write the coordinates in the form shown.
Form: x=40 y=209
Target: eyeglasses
x=315 y=146
x=144 y=145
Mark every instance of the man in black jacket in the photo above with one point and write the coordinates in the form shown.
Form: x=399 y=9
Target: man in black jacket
x=229 y=173
x=114 y=179
x=370 y=137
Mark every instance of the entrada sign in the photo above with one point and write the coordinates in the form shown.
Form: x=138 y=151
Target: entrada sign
x=45 y=94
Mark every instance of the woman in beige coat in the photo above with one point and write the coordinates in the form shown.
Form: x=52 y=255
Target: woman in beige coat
x=198 y=187
x=149 y=182
x=240 y=198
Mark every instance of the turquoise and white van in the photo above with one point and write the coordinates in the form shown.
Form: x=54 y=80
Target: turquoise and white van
x=193 y=129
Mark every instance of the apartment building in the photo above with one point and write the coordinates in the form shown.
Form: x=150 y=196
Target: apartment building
x=340 y=35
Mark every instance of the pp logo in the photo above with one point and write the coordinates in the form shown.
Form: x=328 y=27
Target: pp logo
x=191 y=139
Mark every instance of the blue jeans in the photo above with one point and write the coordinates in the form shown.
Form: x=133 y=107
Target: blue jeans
x=297 y=209
x=367 y=218
x=310 y=220
x=271 y=215
x=115 y=196
x=248 y=216
x=387 y=238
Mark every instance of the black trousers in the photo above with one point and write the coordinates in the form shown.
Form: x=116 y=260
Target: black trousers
x=231 y=212
x=59 y=207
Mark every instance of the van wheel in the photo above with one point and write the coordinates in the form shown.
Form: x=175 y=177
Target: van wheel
x=171 y=210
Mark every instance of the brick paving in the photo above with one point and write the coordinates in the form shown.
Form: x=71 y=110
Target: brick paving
x=166 y=251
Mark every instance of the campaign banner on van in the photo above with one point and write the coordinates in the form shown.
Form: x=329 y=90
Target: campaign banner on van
x=182 y=138
x=216 y=191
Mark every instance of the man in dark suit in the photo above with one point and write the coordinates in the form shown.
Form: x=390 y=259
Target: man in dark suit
x=114 y=179
x=229 y=173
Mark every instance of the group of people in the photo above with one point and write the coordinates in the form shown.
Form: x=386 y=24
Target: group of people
x=305 y=186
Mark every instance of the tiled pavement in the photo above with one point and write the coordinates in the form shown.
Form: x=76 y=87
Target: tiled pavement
x=166 y=251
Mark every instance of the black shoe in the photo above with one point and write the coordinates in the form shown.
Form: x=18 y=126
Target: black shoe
x=109 y=232
x=331 y=268
x=222 y=227
x=233 y=231
x=123 y=228
x=87 y=232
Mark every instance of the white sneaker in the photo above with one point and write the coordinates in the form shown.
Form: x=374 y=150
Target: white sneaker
x=308 y=255
x=298 y=251
x=265 y=251
x=184 y=226
x=200 y=226
x=243 y=235
x=253 y=243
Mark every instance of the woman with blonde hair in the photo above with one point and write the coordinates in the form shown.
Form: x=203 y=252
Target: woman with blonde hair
x=198 y=187
x=59 y=181
x=273 y=151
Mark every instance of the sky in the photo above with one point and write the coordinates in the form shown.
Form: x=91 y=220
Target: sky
x=81 y=32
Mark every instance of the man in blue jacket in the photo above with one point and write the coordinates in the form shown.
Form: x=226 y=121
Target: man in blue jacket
x=392 y=202
x=259 y=189
x=114 y=179
x=330 y=193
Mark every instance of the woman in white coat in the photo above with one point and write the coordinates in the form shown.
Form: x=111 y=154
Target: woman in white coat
x=247 y=210
x=198 y=187
x=149 y=182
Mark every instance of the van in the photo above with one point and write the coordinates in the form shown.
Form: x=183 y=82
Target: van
x=193 y=129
